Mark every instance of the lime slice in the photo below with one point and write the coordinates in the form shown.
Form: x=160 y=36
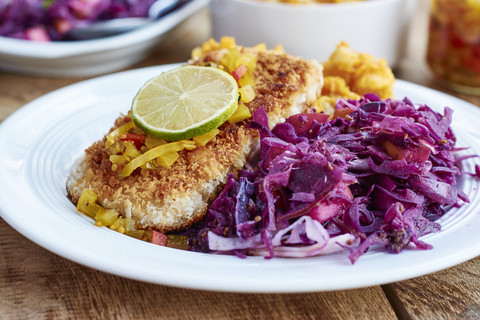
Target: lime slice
x=185 y=102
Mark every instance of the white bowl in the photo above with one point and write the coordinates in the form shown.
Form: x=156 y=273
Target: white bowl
x=378 y=27
x=89 y=57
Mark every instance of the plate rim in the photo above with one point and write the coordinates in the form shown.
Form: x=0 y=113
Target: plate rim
x=206 y=283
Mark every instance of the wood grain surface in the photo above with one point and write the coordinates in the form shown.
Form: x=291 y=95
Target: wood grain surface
x=36 y=284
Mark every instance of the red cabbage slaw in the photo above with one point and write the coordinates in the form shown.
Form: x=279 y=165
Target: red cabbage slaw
x=378 y=173
x=50 y=20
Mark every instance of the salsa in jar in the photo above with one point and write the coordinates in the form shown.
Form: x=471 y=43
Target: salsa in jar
x=453 y=51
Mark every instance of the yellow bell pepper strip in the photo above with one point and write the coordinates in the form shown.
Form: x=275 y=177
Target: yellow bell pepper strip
x=153 y=154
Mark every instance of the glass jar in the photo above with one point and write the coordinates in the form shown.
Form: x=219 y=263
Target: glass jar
x=453 y=51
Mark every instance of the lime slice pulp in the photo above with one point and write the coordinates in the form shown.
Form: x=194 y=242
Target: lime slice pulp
x=185 y=102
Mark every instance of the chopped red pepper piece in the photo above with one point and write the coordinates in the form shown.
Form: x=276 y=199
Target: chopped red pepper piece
x=238 y=73
x=159 y=238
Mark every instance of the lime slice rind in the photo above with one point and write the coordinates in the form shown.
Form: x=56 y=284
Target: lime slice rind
x=185 y=102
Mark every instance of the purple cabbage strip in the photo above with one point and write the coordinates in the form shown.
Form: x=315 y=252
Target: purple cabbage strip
x=49 y=20
x=380 y=176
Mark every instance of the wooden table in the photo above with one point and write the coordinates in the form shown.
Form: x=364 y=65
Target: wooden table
x=36 y=284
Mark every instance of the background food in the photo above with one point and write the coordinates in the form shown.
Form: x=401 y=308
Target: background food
x=45 y=20
x=454 y=41
x=350 y=74
x=312 y=31
x=310 y=1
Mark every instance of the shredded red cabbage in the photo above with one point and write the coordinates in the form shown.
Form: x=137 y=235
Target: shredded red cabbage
x=379 y=175
x=50 y=20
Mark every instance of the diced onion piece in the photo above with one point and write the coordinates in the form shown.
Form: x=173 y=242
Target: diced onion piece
x=177 y=241
x=189 y=144
x=115 y=133
x=279 y=48
x=260 y=47
x=212 y=44
x=205 y=138
x=87 y=203
x=167 y=159
x=115 y=148
x=247 y=79
x=147 y=235
x=118 y=225
x=247 y=93
x=227 y=42
x=229 y=60
x=152 y=142
x=137 y=234
x=130 y=150
x=118 y=159
x=129 y=225
x=106 y=217
x=241 y=114
x=249 y=60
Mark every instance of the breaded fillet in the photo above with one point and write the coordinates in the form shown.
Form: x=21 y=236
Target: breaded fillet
x=170 y=199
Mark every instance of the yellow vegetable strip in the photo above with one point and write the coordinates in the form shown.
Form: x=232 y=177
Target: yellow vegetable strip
x=167 y=159
x=188 y=144
x=247 y=93
x=241 y=114
x=119 y=159
x=115 y=133
x=227 y=42
x=87 y=203
x=260 y=47
x=150 y=155
x=152 y=142
x=118 y=225
x=130 y=150
x=204 y=139
x=106 y=217
x=247 y=79
x=230 y=59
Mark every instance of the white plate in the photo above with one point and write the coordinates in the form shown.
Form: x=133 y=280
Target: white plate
x=39 y=143
x=90 y=57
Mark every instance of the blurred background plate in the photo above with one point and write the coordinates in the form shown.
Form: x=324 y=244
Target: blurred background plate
x=90 y=57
